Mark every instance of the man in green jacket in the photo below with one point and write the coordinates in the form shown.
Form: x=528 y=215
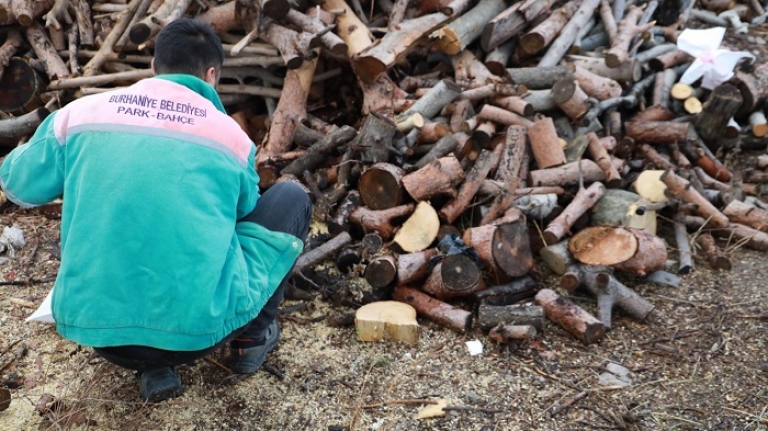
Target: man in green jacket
x=168 y=250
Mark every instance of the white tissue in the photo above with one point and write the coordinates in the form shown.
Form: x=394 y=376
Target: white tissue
x=712 y=64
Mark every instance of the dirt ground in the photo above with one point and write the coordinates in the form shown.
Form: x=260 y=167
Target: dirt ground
x=699 y=364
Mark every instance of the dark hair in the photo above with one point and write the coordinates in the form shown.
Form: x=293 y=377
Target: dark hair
x=187 y=46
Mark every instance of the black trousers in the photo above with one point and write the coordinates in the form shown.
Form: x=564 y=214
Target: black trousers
x=284 y=207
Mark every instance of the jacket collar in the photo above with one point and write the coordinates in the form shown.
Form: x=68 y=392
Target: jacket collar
x=197 y=85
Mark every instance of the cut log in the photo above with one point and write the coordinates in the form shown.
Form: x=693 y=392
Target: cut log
x=420 y=230
x=653 y=132
x=374 y=140
x=752 y=216
x=627 y=73
x=628 y=28
x=538 y=38
x=567 y=36
x=649 y=185
x=537 y=78
x=381 y=186
x=567 y=174
x=381 y=271
x=26 y=124
x=574 y=319
x=751 y=238
x=387 y=321
x=600 y=155
x=381 y=221
x=650 y=256
x=584 y=200
x=431 y=103
x=376 y=59
x=22 y=86
x=758 y=124
x=681 y=189
x=753 y=86
x=715 y=257
x=504 y=250
x=455 y=275
x=322 y=252
x=508 y=293
x=489 y=316
x=414 y=267
x=545 y=144
x=570 y=98
x=454 y=37
x=54 y=65
x=483 y=165
x=596 y=86
x=507 y=334
x=603 y=245
x=349 y=27
x=439 y=177
x=434 y=309
x=721 y=106
x=557 y=257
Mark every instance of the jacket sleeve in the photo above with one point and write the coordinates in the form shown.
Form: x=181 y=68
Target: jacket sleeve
x=249 y=187
x=33 y=173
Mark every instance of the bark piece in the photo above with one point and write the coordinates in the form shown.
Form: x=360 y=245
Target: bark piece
x=433 y=309
x=387 y=321
x=574 y=319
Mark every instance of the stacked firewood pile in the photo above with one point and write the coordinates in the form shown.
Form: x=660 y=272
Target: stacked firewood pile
x=455 y=149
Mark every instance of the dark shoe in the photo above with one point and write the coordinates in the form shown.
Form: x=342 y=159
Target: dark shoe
x=249 y=360
x=160 y=384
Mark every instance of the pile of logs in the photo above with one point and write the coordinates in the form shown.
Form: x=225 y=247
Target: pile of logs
x=456 y=150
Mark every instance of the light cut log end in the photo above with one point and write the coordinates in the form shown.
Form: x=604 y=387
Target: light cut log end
x=387 y=321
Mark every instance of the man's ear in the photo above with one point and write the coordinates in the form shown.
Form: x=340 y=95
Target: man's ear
x=210 y=76
x=152 y=66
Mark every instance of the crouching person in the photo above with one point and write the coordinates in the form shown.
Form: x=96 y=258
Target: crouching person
x=169 y=251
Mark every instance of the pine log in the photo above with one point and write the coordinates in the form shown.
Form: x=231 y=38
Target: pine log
x=434 y=309
x=651 y=255
x=603 y=245
x=600 y=155
x=508 y=293
x=312 y=24
x=545 y=144
x=570 y=98
x=681 y=189
x=510 y=22
x=376 y=59
x=748 y=215
x=414 y=267
x=430 y=104
x=454 y=37
x=557 y=257
x=420 y=230
x=538 y=38
x=516 y=104
x=685 y=262
x=84 y=23
x=222 y=17
x=322 y=252
x=567 y=36
x=656 y=132
x=596 y=86
x=628 y=28
x=381 y=271
x=54 y=65
x=387 y=321
x=609 y=292
x=485 y=163
x=380 y=221
x=669 y=60
x=489 y=316
x=628 y=72
x=503 y=116
x=151 y=24
x=455 y=275
x=349 y=27
x=381 y=186
x=439 y=177
x=537 y=78
x=715 y=257
x=22 y=87
x=721 y=106
x=654 y=113
x=507 y=334
x=584 y=200
x=567 y=174
x=508 y=171
x=25 y=124
x=751 y=238
x=574 y=319
x=317 y=154
x=504 y=249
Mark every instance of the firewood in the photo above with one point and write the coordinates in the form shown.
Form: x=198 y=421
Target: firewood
x=438 y=177
x=22 y=87
x=681 y=189
x=515 y=104
x=373 y=61
x=608 y=20
x=310 y=24
x=222 y=17
x=504 y=249
x=455 y=36
x=444 y=147
x=500 y=115
x=381 y=271
x=567 y=35
x=54 y=65
x=715 y=257
x=650 y=256
x=585 y=198
x=420 y=230
x=22 y=125
x=748 y=215
x=628 y=28
x=508 y=293
x=596 y=86
x=557 y=257
x=669 y=60
x=319 y=151
x=600 y=155
x=758 y=124
x=654 y=132
x=628 y=72
x=506 y=334
x=574 y=319
x=752 y=238
x=570 y=98
x=567 y=174
x=510 y=22
x=455 y=275
x=380 y=221
x=433 y=309
x=536 y=78
x=487 y=161
x=508 y=171
x=414 y=267
x=489 y=316
x=430 y=104
x=322 y=252
x=374 y=140
x=538 y=38
x=25 y=12
x=381 y=186
x=753 y=87
x=721 y=106
x=685 y=262
x=350 y=28
x=541 y=100
x=603 y=245
x=545 y=144
x=496 y=61
x=387 y=321
x=609 y=292
x=150 y=25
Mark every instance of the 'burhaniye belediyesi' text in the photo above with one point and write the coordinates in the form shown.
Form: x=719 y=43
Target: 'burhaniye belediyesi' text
x=145 y=106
